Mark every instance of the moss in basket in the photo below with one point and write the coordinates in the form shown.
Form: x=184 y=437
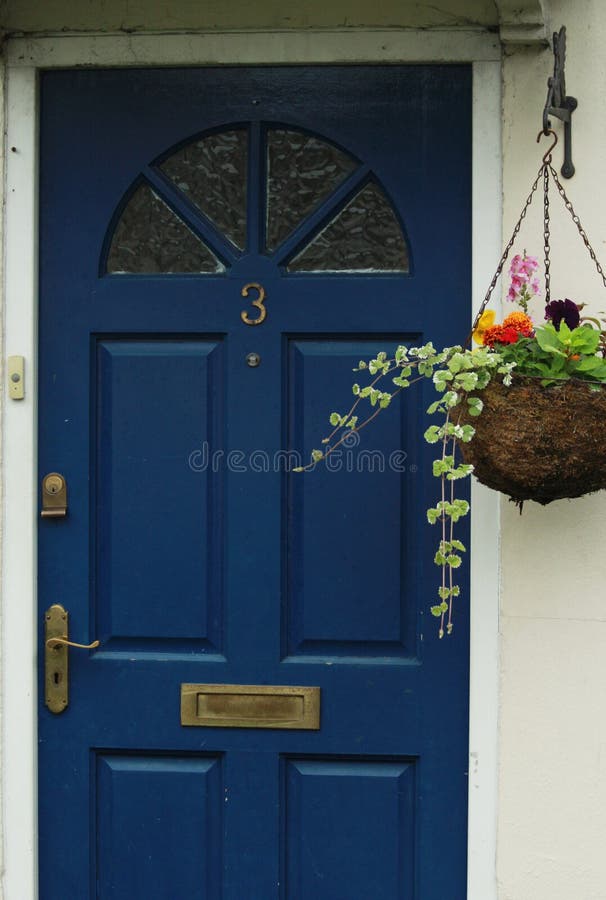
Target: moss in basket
x=564 y=349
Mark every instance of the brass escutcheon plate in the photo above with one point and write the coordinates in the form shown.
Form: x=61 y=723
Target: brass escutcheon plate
x=250 y=706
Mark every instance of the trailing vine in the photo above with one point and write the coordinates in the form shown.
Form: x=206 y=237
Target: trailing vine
x=456 y=374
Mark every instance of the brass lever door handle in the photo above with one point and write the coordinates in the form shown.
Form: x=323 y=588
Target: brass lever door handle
x=56 y=642
x=56 y=657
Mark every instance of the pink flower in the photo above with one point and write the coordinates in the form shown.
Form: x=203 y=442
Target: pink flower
x=516 y=264
x=530 y=265
x=524 y=283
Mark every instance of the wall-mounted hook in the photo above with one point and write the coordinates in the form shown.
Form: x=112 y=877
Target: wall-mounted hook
x=557 y=103
x=553 y=135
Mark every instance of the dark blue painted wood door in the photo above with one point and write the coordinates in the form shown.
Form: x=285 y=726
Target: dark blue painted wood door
x=189 y=549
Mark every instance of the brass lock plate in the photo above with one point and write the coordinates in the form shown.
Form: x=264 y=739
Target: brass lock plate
x=250 y=706
x=54 y=496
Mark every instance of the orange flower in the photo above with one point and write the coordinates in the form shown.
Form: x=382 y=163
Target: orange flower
x=520 y=321
x=493 y=335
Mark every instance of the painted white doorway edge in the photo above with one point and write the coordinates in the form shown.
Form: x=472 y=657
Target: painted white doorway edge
x=25 y=57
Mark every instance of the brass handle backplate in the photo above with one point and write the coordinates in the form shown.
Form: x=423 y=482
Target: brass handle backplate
x=56 y=657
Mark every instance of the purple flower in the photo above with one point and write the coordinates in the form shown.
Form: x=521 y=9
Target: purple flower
x=557 y=310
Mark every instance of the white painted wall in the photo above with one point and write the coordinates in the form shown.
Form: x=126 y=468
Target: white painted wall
x=552 y=783
x=552 y=750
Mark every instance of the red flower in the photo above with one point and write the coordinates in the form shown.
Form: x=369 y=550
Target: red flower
x=509 y=335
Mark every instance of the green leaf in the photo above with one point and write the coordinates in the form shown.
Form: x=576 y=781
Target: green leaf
x=335 y=418
x=462 y=471
x=450 y=398
x=432 y=435
x=548 y=339
x=466 y=381
x=400 y=381
x=584 y=339
x=456 y=362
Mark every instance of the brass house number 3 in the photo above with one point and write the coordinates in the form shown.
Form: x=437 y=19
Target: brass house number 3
x=258 y=304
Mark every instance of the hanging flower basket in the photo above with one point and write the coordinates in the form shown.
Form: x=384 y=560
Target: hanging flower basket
x=539 y=443
x=525 y=409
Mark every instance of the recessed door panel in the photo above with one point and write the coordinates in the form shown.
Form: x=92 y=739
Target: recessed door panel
x=159 y=536
x=351 y=551
x=349 y=826
x=156 y=833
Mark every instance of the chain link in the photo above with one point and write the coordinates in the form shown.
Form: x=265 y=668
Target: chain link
x=546 y=232
x=577 y=222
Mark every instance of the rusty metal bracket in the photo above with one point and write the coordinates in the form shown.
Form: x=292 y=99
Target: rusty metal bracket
x=557 y=103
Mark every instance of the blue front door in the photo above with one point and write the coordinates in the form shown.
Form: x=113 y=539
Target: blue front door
x=219 y=248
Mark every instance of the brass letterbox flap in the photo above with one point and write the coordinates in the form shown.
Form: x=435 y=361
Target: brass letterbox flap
x=250 y=706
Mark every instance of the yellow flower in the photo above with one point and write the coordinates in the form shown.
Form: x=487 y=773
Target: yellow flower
x=486 y=321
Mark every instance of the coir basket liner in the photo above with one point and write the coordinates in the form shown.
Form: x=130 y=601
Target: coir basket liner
x=539 y=443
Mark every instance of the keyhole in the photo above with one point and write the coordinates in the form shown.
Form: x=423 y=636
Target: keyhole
x=53 y=484
x=57 y=677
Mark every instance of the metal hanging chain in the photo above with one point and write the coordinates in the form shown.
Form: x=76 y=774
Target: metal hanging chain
x=576 y=221
x=506 y=253
x=546 y=231
x=544 y=172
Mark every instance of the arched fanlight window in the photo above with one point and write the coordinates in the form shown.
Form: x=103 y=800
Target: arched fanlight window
x=198 y=205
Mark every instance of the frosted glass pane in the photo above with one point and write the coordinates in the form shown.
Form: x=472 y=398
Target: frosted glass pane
x=302 y=171
x=212 y=173
x=364 y=237
x=149 y=238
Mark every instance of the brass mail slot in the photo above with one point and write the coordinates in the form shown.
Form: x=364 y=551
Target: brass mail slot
x=250 y=706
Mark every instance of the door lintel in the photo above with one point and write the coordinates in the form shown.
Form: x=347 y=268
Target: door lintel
x=524 y=22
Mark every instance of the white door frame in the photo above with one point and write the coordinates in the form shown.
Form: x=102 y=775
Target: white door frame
x=25 y=57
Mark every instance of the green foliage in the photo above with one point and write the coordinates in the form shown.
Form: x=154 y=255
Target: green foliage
x=558 y=354
x=459 y=376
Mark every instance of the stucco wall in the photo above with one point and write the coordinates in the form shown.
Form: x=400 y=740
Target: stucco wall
x=552 y=784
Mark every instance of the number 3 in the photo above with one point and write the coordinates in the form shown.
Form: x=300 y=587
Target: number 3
x=258 y=303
